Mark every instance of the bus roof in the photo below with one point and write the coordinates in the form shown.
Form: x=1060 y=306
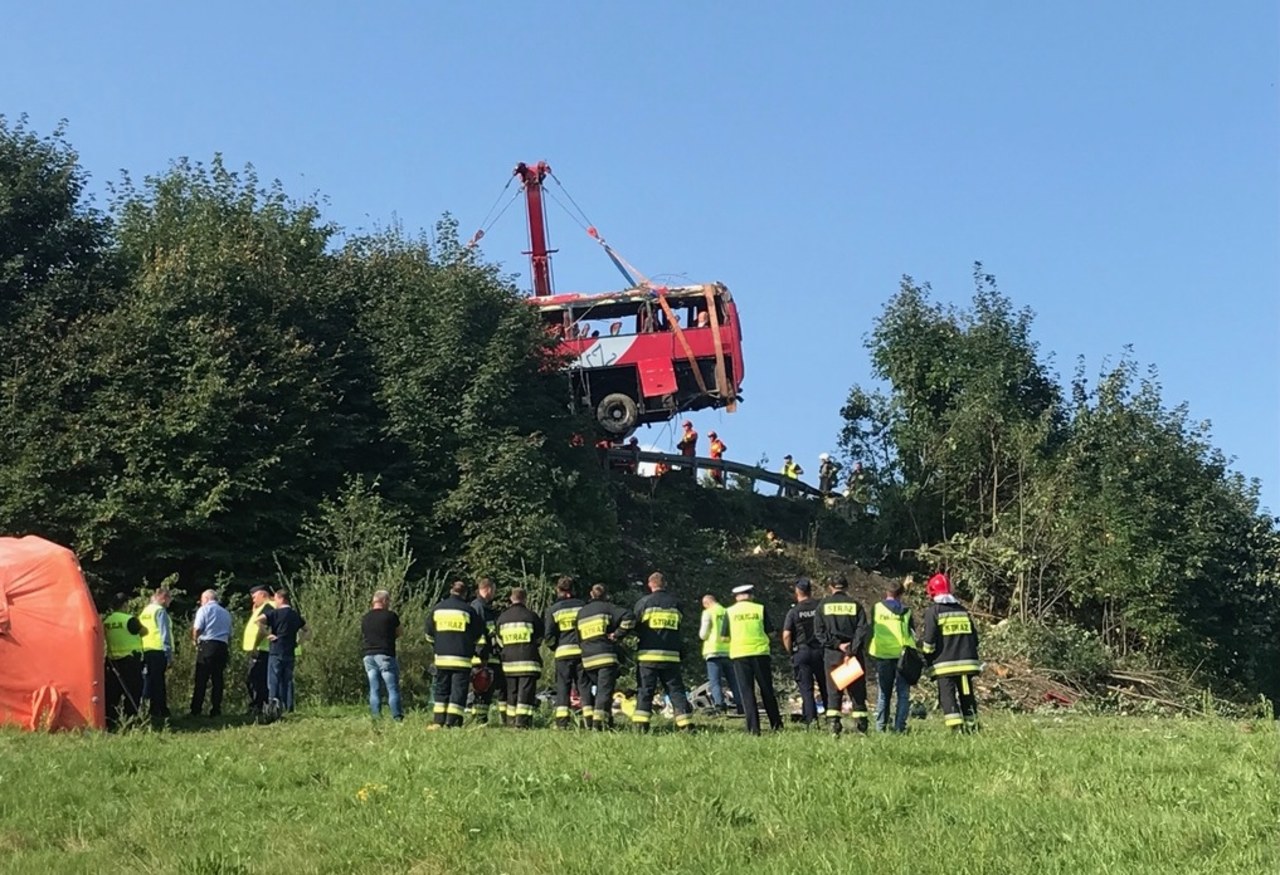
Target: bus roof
x=635 y=295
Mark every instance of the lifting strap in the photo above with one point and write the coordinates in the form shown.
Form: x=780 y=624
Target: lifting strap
x=684 y=341
x=722 y=379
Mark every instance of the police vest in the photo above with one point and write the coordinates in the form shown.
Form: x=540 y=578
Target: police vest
x=891 y=632
x=151 y=637
x=252 y=630
x=717 y=643
x=746 y=630
x=120 y=641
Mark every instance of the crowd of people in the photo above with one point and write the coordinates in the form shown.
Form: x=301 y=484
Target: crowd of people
x=486 y=659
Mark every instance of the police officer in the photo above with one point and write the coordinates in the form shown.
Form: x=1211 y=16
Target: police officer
x=454 y=630
x=490 y=653
x=749 y=630
x=255 y=644
x=842 y=627
x=713 y=629
x=950 y=648
x=658 y=655
x=562 y=637
x=123 y=634
x=800 y=641
x=157 y=653
x=520 y=633
x=601 y=624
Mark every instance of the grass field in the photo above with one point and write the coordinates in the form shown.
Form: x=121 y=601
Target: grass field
x=334 y=793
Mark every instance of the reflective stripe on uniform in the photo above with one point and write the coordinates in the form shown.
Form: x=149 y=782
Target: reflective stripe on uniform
x=684 y=719
x=952 y=719
x=456 y=710
x=639 y=716
x=658 y=656
x=562 y=712
x=452 y=662
x=956 y=666
x=568 y=651
x=521 y=667
x=593 y=662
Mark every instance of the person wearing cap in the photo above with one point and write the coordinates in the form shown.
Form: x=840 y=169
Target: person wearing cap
x=717 y=452
x=254 y=642
x=841 y=626
x=749 y=630
x=800 y=642
x=601 y=625
x=790 y=471
x=890 y=635
x=211 y=633
x=949 y=646
x=658 y=619
x=713 y=631
x=122 y=632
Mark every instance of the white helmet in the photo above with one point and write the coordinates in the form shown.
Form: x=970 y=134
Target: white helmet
x=823 y=457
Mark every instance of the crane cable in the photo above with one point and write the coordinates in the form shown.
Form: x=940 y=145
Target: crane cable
x=485 y=228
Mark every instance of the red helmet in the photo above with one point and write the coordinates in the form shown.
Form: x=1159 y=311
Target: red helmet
x=938 y=585
x=481 y=679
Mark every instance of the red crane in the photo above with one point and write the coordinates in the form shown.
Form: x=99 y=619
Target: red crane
x=539 y=255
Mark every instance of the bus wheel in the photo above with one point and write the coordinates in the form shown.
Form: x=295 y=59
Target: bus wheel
x=617 y=414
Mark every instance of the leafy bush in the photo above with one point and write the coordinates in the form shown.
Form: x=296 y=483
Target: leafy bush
x=1070 y=653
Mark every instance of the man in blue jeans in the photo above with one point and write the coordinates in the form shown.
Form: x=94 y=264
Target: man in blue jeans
x=282 y=624
x=890 y=635
x=380 y=628
x=714 y=632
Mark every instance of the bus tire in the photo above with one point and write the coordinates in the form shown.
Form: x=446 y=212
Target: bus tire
x=617 y=414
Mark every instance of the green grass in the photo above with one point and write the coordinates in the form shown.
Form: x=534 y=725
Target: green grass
x=334 y=793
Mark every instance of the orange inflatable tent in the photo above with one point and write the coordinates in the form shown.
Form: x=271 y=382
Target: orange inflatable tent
x=51 y=657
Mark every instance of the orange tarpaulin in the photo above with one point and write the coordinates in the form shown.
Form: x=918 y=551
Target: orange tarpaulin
x=51 y=657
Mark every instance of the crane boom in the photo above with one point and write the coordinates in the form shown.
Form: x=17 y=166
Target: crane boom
x=539 y=255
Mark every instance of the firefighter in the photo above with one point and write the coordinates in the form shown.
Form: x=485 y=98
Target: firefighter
x=828 y=473
x=454 y=630
x=800 y=642
x=790 y=471
x=633 y=460
x=717 y=452
x=123 y=634
x=658 y=618
x=688 y=445
x=749 y=629
x=520 y=632
x=562 y=637
x=950 y=649
x=256 y=645
x=601 y=625
x=489 y=654
x=841 y=626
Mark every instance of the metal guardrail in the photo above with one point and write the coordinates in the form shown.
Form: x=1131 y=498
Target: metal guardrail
x=676 y=460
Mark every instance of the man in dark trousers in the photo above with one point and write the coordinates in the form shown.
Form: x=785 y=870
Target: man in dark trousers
x=658 y=655
x=562 y=637
x=749 y=629
x=454 y=630
x=800 y=641
x=123 y=633
x=890 y=636
x=283 y=624
x=949 y=646
x=157 y=653
x=601 y=624
x=489 y=654
x=256 y=646
x=520 y=633
x=842 y=627
x=211 y=634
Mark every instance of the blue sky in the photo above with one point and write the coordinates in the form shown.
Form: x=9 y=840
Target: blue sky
x=1116 y=165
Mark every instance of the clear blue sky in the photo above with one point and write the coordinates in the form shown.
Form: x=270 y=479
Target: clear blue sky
x=1116 y=165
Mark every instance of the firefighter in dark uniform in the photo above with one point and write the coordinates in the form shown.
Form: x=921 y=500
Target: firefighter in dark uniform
x=520 y=633
x=800 y=641
x=601 y=624
x=454 y=630
x=658 y=655
x=749 y=629
x=950 y=649
x=842 y=627
x=489 y=654
x=562 y=637
x=123 y=634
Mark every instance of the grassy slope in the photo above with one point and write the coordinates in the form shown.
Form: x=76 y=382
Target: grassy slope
x=1029 y=794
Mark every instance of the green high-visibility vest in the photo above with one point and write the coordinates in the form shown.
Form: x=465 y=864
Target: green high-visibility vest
x=717 y=642
x=746 y=630
x=151 y=637
x=120 y=641
x=252 y=630
x=890 y=632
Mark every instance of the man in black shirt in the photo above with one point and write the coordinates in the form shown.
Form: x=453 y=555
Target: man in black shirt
x=380 y=628
x=800 y=641
x=282 y=624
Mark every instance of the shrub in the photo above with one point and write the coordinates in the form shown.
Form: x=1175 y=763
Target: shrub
x=1070 y=653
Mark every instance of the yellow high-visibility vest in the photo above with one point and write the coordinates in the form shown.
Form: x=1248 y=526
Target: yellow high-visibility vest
x=120 y=641
x=890 y=632
x=252 y=630
x=151 y=637
x=717 y=643
x=746 y=630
